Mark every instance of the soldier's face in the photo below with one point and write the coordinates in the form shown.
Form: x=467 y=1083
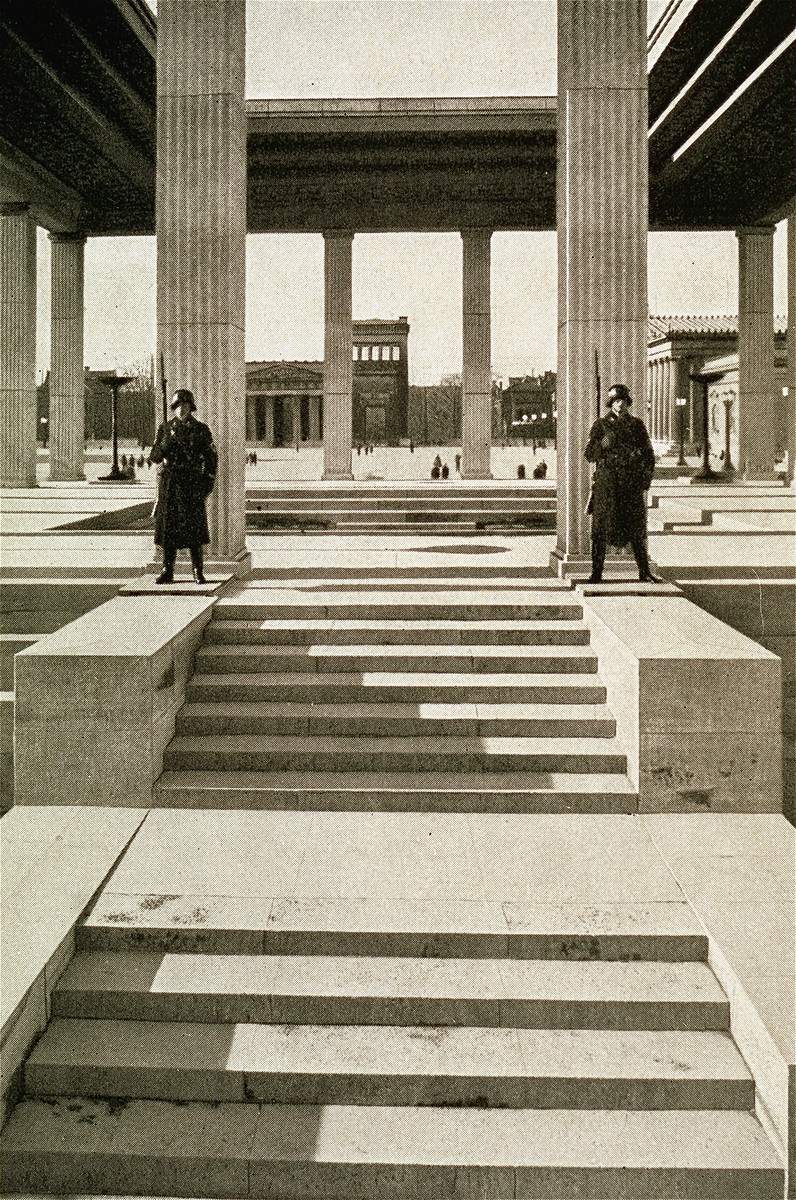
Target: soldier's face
x=183 y=410
x=619 y=404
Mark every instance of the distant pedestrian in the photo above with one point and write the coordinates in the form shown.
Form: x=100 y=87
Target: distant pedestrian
x=458 y=461
x=445 y=470
x=540 y=470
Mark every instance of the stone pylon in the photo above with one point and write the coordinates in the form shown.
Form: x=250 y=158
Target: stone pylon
x=602 y=206
x=476 y=354
x=757 y=424
x=790 y=399
x=17 y=346
x=201 y=235
x=67 y=379
x=338 y=368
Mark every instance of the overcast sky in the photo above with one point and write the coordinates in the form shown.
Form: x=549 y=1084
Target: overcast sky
x=310 y=48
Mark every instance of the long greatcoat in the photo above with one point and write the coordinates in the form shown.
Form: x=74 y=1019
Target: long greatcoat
x=186 y=450
x=623 y=473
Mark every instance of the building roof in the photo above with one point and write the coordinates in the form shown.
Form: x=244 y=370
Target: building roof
x=661 y=327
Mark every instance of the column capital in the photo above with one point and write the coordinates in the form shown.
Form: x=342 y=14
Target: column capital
x=476 y=231
x=339 y=234
x=754 y=231
x=68 y=237
x=13 y=208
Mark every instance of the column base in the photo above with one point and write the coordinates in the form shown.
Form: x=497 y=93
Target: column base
x=335 y=477
x=618 y=568
x=476 y=475
x=70 y=478
x=762 y=476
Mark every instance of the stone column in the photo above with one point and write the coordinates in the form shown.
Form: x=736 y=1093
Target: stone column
x=338 y=368
x=17 y=346
x=669 y=394
x=790 y=399
x=656 y=394
x=756 y=415
x=295 y=401
x=602 y=234
x=67 y=378
x=251 y=418
x=269 y=420
x=201 y=236
x=315 y=419
x=476 y=355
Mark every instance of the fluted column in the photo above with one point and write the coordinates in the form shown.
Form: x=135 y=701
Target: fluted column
x=338 y=368
x=602 y=233
x=790 y=399
x=669 y=394
x=17 y=346
x=656 y=400
x=67 y=380
x=315 y=419
x=269 y=420
x=296 y=405
x=201 y=234
x=757 y=430
x=476 y=355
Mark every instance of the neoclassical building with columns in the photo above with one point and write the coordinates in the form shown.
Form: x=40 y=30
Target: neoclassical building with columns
x=284 y=400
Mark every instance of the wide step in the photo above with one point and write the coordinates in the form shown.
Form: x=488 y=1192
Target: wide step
x=319 y=989
x=311 y=1064
x=490 y=754
x=401 y=686
x=318 y=658
x=159 y=1148
x=385 y=633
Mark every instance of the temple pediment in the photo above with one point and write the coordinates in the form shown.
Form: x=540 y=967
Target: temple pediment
x=267 y=377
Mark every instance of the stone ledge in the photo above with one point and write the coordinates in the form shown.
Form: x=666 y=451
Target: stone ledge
x=54 y=861
x=96 y=700
x=697 y=705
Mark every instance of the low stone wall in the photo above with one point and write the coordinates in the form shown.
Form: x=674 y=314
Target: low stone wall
x=96 y=701
x=53 y=863
x=697 y=705
x=765 y=611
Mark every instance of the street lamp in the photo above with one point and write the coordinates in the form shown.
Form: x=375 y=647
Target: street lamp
x=681 y=402
x=115 y=383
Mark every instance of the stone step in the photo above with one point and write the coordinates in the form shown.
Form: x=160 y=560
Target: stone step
x=283 y=659
x=359 y=990
x=385 y=633
x=403 y=754
x=401 y=505
x=448 y=792
x=400 y=686
x=294 y=604
x=394 y=927
x=378 y=580
x=76 y=1145
x=396 y=720
x=390 y=1065
x=364 y=491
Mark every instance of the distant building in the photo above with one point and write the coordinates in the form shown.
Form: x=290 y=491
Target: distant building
x=284 y=400
x=693 y=357
x=528 y=408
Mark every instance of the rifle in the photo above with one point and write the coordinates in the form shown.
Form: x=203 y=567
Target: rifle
x=589 y=509
x=163 y=391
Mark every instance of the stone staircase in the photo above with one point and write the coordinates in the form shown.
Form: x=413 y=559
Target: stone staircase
x=438 y=507
x=386 y=1041
x=406 y=692
x=393 y=1053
